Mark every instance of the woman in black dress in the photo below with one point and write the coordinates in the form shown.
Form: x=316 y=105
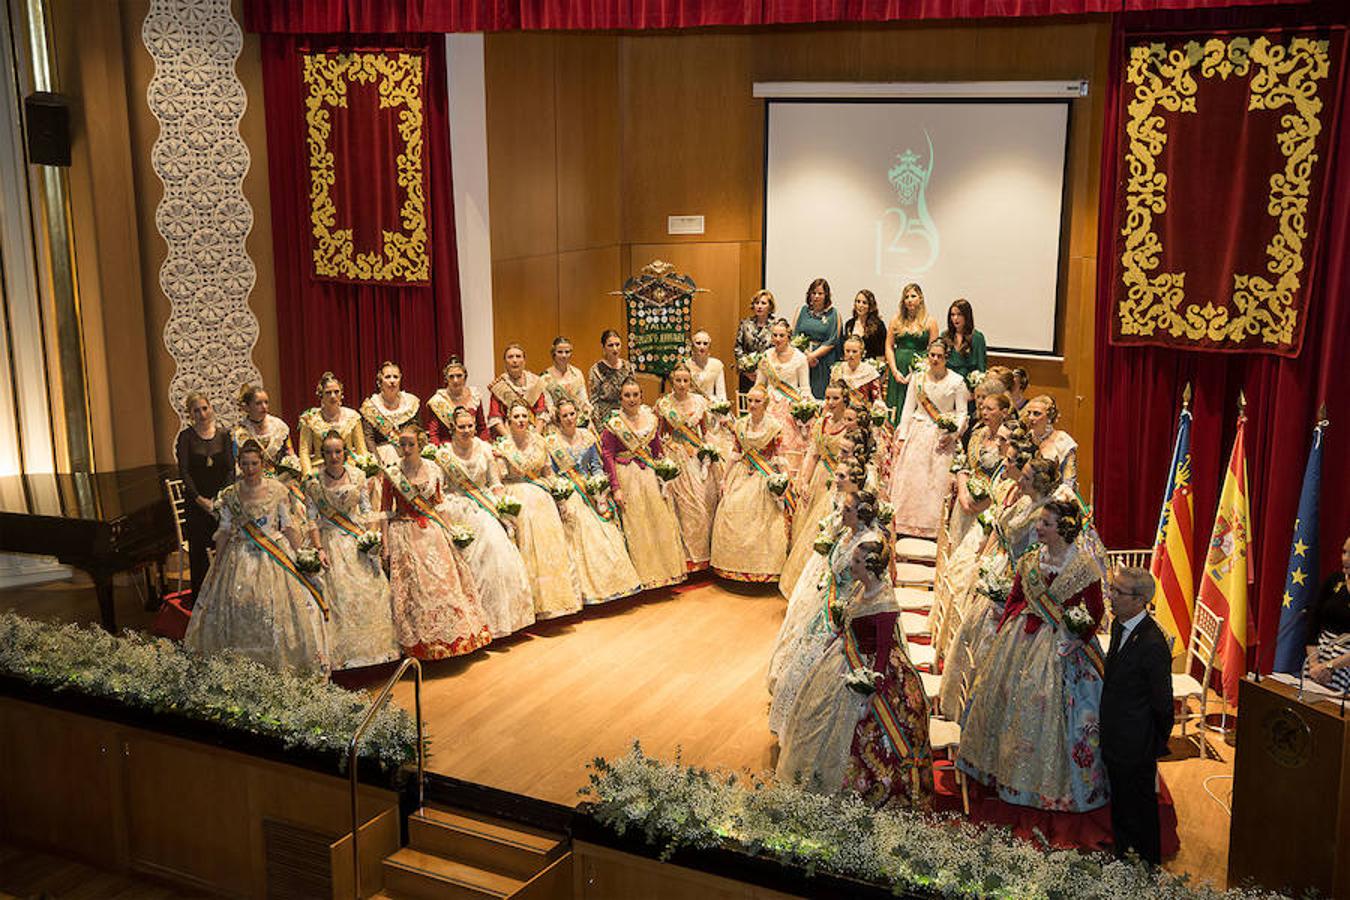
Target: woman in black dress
x=206 y=465
x=1329 y=652
x=866 y=323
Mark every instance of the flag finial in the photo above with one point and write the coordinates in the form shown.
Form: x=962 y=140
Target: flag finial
x=1322 y=415
x=1186 y=396
x=1242 y=402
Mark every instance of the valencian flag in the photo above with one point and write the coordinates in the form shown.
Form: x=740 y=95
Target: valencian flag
x=1299 y=585
x=1172 y=553
x=1226 y=574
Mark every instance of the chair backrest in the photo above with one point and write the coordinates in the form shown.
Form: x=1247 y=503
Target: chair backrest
x=937 y=614
x=968 y=677
x=740 y=402
x=1124 y=559
x=944 y=631
x=178 y=500
x=1206 y=627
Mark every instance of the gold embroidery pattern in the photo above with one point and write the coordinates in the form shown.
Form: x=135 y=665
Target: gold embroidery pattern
x=1263 y=313
x=398 y=78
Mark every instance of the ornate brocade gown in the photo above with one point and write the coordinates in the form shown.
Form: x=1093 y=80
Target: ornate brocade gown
x=966 y=537
x=253 y=602
x=361 y=620
x=569 y=386
x=812 y=505
x=695 y=490
x=441 y=411
x=275 y=439
x=921 y=463
x=650 y=526
x=787 y=383
x=381 y=424
x=539 y=528
x=314 y=428
x=750 y=529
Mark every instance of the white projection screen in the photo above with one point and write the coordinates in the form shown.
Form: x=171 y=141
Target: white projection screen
x=965 y=198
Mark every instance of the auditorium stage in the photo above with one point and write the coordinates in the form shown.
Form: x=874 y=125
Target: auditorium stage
x=680 y=670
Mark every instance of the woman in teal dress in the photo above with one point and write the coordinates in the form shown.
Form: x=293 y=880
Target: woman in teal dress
x=818 y=320
x=907 y=338
x=967 y=344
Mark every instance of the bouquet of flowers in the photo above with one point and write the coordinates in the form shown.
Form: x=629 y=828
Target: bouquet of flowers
x=947 y=424
x=827 y=535
x=749 y=362
x=666 y=469
x=289 y=465
x=508 y=506
x=719 y=407
x=995 y=581
x=958 y=461
x=462 y=535
x=710 y=453
x=597 y=484
x=369 y=542
x=367 y=463
x=307 y=561
x=918 y=362
x=877 y=363
x=801 y=342
x=863 y=681
x=804 y=410
x=974 y=378
x=778 y=484
x=978 y=487
x=1078 y=622
x=429 y=452
x=885 y=512
x=559 y=488
x=879 y=413
x=986 y=520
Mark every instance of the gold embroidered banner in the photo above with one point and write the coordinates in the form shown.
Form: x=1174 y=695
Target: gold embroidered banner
x=1224 y=152
x=368 y=176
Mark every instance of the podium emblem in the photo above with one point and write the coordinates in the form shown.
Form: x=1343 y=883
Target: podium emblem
x=1287 y=737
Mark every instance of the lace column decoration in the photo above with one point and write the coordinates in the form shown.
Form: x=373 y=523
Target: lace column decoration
x=203 y=216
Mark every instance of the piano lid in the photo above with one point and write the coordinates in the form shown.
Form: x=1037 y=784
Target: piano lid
x=98 y=496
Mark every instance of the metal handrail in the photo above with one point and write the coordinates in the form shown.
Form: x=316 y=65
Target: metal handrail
x=375 y=707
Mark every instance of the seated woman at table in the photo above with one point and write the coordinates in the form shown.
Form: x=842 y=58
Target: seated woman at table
x=860 y=722
x=254 y=600
x=360 y=618
x=750 y=529
x=594 y=539
x=1329 y=657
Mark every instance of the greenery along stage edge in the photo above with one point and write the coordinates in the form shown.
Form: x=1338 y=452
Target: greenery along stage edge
x=226 y=690
x=679 y=807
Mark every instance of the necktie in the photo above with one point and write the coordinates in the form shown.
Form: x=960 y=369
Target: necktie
x=1117 y=635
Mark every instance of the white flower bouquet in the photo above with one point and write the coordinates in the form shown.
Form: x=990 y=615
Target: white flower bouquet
x=986 y=520
x=462 y=535
x=879 y=413
x=749 y=362
x=974 y=378
x=369 y=542
x=918 y=362
x=289 y=465
x=1079 y=622
x=994 y=580
x=827 y=535
x=958 y=462
x=978 y=487
x=307 y=561
x=885 y=513
x=367 y=463
x=719 y=407
x=710 y=453
x=666 y=470
x=559 y=488
x=778 y=484
x=801 y=342
x=597 y=484
x=862 y=681
x=429 y=452
x=947 y=424
x=804 y=410
x=508 y=506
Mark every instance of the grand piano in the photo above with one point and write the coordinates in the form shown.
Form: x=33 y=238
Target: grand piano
x=102 y=523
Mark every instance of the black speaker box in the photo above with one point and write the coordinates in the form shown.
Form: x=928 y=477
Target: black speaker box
x=47 y=126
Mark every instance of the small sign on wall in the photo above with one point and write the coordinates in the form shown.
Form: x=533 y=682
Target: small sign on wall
x=684 y=224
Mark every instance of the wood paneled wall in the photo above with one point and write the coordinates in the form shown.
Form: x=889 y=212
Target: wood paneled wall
x=593 y=140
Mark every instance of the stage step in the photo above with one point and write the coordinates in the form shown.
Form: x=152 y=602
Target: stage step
x=416 y=875
x=516 y=851
x=916 y=549
x=908 y=574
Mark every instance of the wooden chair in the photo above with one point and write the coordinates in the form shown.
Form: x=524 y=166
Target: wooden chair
x=178 y=500
x=924 y=656
x=1206 y=627
x=1127 y=559
x=945 y=735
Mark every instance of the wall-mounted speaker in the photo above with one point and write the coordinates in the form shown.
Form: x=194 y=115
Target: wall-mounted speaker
x=46 y=118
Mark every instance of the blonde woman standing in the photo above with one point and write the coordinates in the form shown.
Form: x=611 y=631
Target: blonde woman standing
x=907 y=339
x=750 y=531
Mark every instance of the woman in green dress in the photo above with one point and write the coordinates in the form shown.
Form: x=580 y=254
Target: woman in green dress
x=818 y=321
x=907 y=338
x=968 y=354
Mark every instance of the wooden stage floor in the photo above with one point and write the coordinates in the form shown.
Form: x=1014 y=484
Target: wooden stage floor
x=677 y=670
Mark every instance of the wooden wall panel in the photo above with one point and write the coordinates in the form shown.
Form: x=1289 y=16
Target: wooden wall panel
x=585 y=306
x=588 y=142
x=521 y=136
x=524 y=308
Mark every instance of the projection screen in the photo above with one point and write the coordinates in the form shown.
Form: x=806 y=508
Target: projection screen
x=965 y=198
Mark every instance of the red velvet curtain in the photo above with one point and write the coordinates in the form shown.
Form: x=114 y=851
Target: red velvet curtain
x=351 y=328
x=1139 y=390
x=403 y=16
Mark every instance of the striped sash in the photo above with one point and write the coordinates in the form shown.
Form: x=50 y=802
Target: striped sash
x=925 y=403
x=566 y=466
x=678 y=427
x=635 y=445
x=273 y=551
x=330 y=512
x=1037 y=593
x=882 y=708
x=507 y=450
x=776 y=381
x=461 y=481
x=394 y=475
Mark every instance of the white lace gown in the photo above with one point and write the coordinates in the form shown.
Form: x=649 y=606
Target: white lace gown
x=921 y=464
x=361 y=617
x=250 y=603
x=493 y=558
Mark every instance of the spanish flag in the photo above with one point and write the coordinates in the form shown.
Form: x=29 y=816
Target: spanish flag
x=1171 y=564
x=1227 y=571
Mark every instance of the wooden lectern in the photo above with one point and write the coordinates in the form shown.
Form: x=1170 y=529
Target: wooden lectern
x=1291 y=792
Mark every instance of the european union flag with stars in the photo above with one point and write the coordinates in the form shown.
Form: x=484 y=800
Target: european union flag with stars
x=1300 y=584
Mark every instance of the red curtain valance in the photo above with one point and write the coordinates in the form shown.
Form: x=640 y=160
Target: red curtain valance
x=424 y=16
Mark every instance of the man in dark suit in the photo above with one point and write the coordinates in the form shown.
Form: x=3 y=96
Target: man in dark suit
x=1136 y=714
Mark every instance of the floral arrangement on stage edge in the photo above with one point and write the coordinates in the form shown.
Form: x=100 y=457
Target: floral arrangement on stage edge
x=157 y=675
x=681 y=807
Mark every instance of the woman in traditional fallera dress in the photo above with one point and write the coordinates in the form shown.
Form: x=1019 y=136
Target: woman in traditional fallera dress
x=907 y=339
x=709 y=376
x=330 y=415
x=685 y=426
x=926 y=439
x=604 y=569
x=752 y=338
x=1031 y=730
x=860 y=722
x=360 y=617
x=386 y=411
x=472 y=488
x=516 y=384
x=859 y=376
x=526 y=471
x=255 y=601
x=813 y=483
x=785 y=377
x=750 y=528
x=564 y=381
x=630 y=445
x=818 y=321
x=606 y=378
x=1039 y=415
x=273 y=437
x=436 y=609
x=457 y=394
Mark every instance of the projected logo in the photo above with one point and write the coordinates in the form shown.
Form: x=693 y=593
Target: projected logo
x=906 y=236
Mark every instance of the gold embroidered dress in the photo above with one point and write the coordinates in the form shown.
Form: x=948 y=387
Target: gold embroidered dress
x=787 y=383
x=504 y=392
x=571 y=385
x=695 y=490
x=274 y=436
x=749 y=541
x=921 y=462
x=440 y=428
x=539 y=527
x=381 y=423
x=314 y=428
x=816 y=501
x=628 y=448
x=594 y=539
x=253 y=600
x=361 y=618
